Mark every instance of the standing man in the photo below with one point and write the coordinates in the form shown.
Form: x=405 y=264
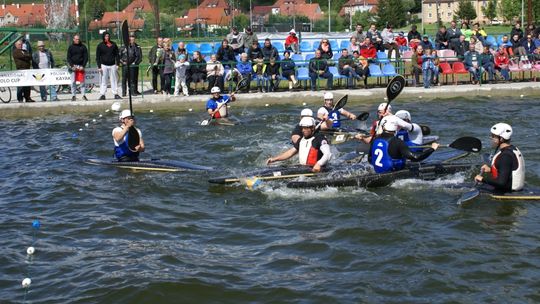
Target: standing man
x=153 y=58
x=132 y=55
x=121 y=134
x=43 y=59
x=77 y=58
x=107 y=63
x=507 y=170
x=23 y=61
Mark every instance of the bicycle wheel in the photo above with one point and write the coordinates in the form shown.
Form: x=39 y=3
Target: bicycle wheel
x=5 y=94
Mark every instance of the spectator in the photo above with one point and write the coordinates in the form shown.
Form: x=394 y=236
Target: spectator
x=537 y=41
x=488 y=63
x=167 y=61
x=318 y=68
x=181 y=66
x=516 y=30
x=536 y=54
x=478 y=46
x=375 y=37
x=134 y=58
x=153 y=60
x=417 y=60
x=273 y=74
x=214 y=73
x=531 y=30
x=291 y=42
x=259 y=68
x=466 y=31
x=428 y=68
x=326 y=49
x=287 y=70
x=254 y=51
x=517 y=47
x=389 y=42
x=401 y=42
x=472 y=63
x=181 y=50
x=437 y=64
x=269 y=51
x=43 y=59
x=479 y=33
x=226 y=55
x=507 y=46
x=245 y=69
x=236 y=40
x=368 y=50
x=361 y=67
x=107 y=63
x=23 y=61
x=453 y=33
x=425 y=43
x=442 y=39
x=501 y=62
x=346 y=67
x=197 y=71
x=528 y=45
x=249 y=38
x=414 y=37
x=77 y=58
x=353 y=45
x=359 y=33
x=460 y=47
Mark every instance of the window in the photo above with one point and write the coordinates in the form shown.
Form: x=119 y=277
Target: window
x=449 y=6
x=430 y=5
x=449 y=14
x=429 y=16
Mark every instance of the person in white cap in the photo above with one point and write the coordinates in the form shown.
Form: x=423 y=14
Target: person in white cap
x=383 y=110
x=330 y=117
x=313 y=149
x=216 y=106
x=507 y=170
x=412 y=137
x=389 y=153
x=297 y=132
x=43 y=59
x=291 y=42
x=121 y=137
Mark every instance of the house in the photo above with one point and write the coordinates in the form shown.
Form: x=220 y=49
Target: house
x=447 y=9
x=114 y=19
x=210 y=18
x=143 y=6
x=353 y=6
x=26 y=15
x=289 y=8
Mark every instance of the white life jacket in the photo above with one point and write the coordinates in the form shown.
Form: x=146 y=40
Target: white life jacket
x=223 y=110
x=518 y=175
x=307 y=155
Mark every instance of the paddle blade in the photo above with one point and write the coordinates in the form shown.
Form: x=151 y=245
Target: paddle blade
x=241 y=84
x=363 y=117
x=252 y=183
x=205 y=122
x=394 y=88
x=467 y=143
x=125 y=32
x=133 y=138
x=468 y=196
x=341 y=103
x=425 y=130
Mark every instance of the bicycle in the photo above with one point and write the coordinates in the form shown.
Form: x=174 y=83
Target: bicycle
x=5 y=94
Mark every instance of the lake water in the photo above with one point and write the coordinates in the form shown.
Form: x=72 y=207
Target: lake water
x=116 y=236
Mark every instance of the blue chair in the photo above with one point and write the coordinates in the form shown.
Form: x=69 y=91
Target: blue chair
x=306 y=46
x=191 y=47
x=279 y=46
x=375 y=71
x=334 y=44
x=499 y=39
x=298 y=59
x=382 y=57
x=303 y=74
x=389 y=70
x=491 y=41
x=217 y=45
x=344 y=44
x=309 y=56
x=206 y=49
x=335 y=72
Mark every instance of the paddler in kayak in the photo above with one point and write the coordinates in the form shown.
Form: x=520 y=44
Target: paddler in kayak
x=216 y=106
x=313 y=149
x=389 y=153
x=507 y=170
x=332 y=118
x=412 y=137
x=383 y=111
x=296 y=134
x=121 y=138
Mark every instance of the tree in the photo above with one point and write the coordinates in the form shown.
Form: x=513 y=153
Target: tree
x=393 y=12
x=364 y=18
x=510 y=9
x=466 y=11
x=490 y=10
x=241 y=21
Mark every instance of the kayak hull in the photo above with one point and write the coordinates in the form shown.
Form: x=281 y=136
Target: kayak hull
x=162 y=165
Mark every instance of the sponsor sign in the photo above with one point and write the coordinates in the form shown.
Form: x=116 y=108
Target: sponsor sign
x=44 y=77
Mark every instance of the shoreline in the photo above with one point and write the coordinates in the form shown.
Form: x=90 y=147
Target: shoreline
x=197 y=102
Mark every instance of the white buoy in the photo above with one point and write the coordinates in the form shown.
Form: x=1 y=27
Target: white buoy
x=385 y=99
x=191 y=110
x=30 y=250
x=100 y=115
x=266 y=105
x=94 y=120
x=116 y=106
x=303 y=103
x=86 y=124
x=420 y=97
x=26 y=282
x=521 y=95
x=107 y=111
x=80 y=129
x=151 y=111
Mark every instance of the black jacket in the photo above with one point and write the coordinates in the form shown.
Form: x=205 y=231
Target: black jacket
x=135 y=54
x=107 y=55
x=318 y=64
x=77 y=54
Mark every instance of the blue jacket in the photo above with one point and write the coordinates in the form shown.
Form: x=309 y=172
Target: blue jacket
x=245 y=68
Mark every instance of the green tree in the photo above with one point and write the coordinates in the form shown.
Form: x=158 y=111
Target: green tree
x=391 y=11
x=241 y=21
x=510 y=9
x=364 y=18
x=490 y=10
x=466 y=11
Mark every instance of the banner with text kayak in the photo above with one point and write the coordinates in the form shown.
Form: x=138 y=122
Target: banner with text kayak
x=44 y=77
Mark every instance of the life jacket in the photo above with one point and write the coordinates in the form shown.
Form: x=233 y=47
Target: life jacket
x=309 y=150
x=334 y=116
x=380 y=158
x=404 y=135
x=518 y=175
x=123 y=149
x=222 y=100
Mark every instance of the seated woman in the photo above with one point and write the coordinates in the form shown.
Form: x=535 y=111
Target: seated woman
x=288 y=69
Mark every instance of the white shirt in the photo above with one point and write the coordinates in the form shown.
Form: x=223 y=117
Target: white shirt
x=119 y=129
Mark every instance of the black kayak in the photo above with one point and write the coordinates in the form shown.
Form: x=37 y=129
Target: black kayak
x=274 y=173
x=163 y=165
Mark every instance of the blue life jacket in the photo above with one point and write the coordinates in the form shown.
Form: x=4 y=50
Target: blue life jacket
x=334 y=116
x=404 y=135
x=123 y=149
x=380 y=158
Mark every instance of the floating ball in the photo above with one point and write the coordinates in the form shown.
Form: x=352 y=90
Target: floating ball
x=36 y=224
x=26 y=282
x=116 y=106
x=94 y=120
x=386 y=98
x=30 y=250
x=86 y=124
x=190 y=110
x=80 y=129
x=303 y=103
x=100 y=115
x=151 y=111
x=420 y=97
x=266 y=105
x=521 y=96
x=107 y=111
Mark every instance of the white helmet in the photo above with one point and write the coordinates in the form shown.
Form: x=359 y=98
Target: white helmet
x=307 y=122
x=306 y=113
x=389 y=123
x=328 y=95
x=382 y=106
x=405 y=115
x=124 y=114
x=503 y=130
x=215 y=90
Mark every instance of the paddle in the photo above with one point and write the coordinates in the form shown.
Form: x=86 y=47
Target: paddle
x=394 y=88
x=466 y=143
x=241 y=84
x=340 y=104
x=425 y=130
x=255 y=181
x=362 y=117
x=133 y=134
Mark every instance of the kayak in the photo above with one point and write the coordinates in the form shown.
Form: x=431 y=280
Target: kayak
x=525 y=194
x=226 y=121
x=162 y=165
x=373 y=180
x=280 y=172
